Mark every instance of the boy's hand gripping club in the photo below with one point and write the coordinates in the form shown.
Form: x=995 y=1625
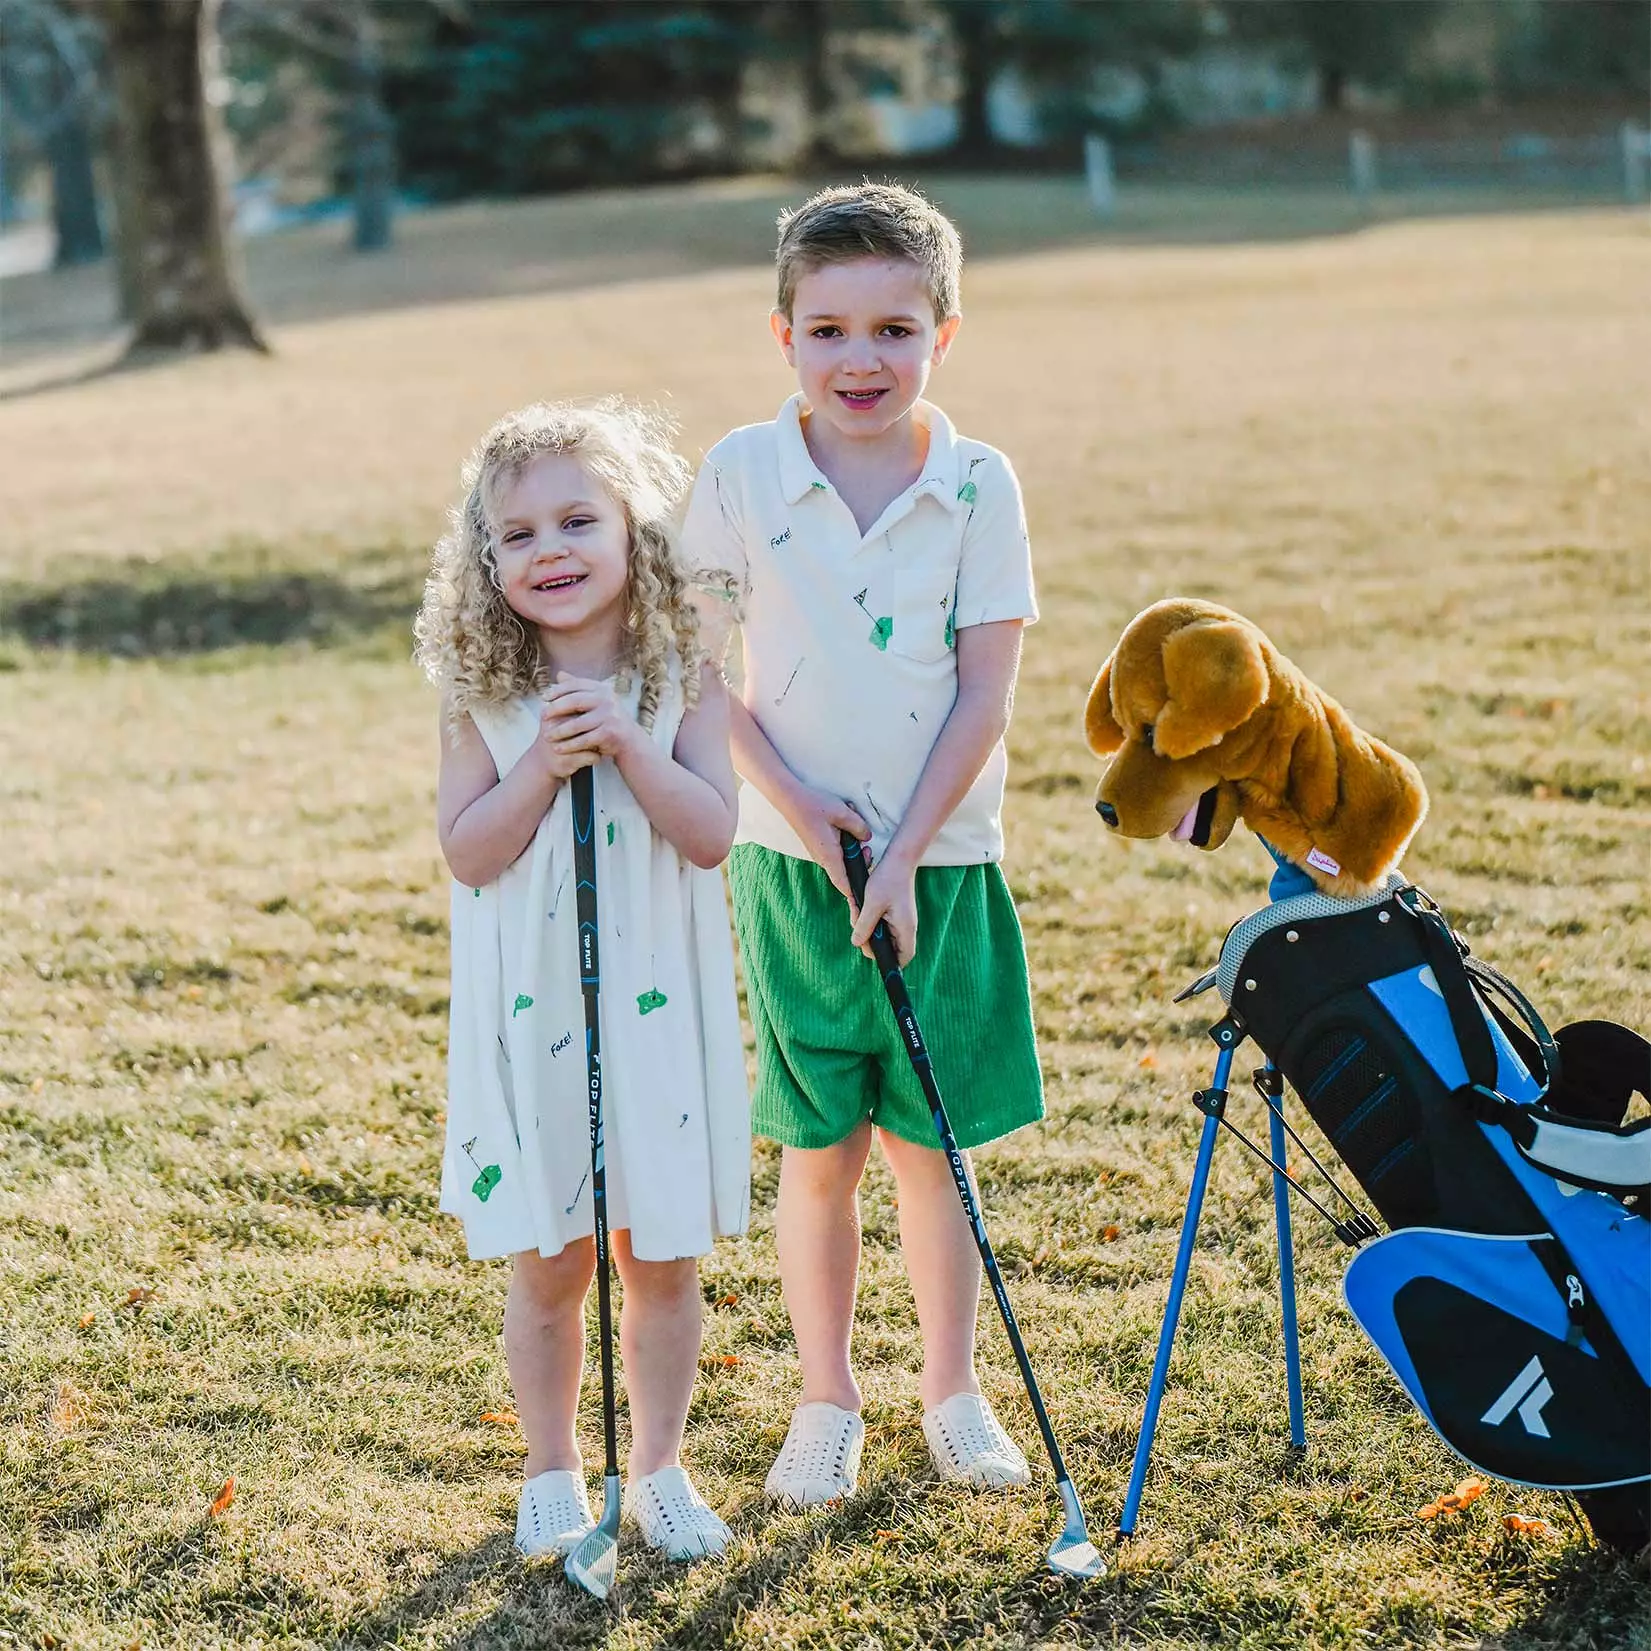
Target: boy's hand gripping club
x=594 y=1564
x=1073 y=1554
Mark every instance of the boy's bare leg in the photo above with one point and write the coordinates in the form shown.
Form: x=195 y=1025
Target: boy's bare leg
x=659 y=1336
x=817 y=1234
x=942 y=1263
x=544 y=1344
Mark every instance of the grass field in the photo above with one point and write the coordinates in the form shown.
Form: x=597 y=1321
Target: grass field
x=1415 y=454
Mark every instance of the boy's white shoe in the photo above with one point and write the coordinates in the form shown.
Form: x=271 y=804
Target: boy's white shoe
x=820 y=1459
x=968 y=1443
x=674 y=1517
x=554 y=1517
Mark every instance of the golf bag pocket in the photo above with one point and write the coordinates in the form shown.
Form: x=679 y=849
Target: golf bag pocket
x=1512 y=1365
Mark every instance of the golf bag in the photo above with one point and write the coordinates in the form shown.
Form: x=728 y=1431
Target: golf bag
x=1512 y=1299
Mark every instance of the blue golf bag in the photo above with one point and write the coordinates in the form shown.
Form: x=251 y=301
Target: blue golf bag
x=1512 y=1297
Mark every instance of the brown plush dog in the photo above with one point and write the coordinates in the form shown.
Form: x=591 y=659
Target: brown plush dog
x=1207 y=723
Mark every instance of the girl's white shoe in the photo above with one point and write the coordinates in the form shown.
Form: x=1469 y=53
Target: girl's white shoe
x=968 y=1443
x=674 y=1517
x=554 y=1517
x=820 y=1459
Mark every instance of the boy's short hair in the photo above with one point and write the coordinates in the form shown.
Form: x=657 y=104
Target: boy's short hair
x=870 y=220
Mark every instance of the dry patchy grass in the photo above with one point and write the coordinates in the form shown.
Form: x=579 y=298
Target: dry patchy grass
x=1416 y=455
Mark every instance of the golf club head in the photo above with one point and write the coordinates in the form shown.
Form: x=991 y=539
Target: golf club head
x=1073 y=1554
x=594 y=1564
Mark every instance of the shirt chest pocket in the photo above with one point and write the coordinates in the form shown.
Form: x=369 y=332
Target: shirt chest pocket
x=924 y=596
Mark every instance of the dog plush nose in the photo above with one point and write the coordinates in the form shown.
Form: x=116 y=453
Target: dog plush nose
x=1108 y=813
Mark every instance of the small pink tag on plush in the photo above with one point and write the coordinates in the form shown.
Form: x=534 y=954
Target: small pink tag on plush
x=1320 y=861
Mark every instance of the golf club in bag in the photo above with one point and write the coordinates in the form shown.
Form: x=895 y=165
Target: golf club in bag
x=1072 y=1554
x=594 y=1564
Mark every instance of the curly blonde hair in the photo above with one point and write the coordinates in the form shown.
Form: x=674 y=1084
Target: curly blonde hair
x=473 y=646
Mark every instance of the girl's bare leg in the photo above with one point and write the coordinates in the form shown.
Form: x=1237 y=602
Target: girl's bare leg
x=544 y=1343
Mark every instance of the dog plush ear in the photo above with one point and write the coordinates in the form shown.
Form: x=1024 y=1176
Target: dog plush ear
x=1216 y=675
x=1099 y=725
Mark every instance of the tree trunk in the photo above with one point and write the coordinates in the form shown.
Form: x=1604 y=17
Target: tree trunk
x=813 y=32
x=179 y=281
x=74 y=187
x=372 y=138
x=974 y=25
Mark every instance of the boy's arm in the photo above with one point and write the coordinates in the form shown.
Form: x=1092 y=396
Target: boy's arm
x=816 y=816
x=988 y=658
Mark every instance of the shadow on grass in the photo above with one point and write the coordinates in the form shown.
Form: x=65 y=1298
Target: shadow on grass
x=1596 y=1597
x=139 y=609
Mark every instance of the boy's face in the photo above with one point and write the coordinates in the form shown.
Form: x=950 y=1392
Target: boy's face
x=863 y=339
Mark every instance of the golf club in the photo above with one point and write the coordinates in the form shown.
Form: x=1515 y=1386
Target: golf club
x=594 y=1564
x=1072 y=1554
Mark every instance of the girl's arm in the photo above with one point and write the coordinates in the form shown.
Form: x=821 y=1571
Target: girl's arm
x=689 y=795
x=988 y=658
x=484 y=822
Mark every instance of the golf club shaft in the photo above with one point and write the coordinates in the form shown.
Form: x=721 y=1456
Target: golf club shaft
x=590 y=981
x=911 y=1035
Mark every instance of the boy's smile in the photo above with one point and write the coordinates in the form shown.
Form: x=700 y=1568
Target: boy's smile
x=863 y=339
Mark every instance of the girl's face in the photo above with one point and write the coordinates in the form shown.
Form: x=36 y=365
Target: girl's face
x=563 y=548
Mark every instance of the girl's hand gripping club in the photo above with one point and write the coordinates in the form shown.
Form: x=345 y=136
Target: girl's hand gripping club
x=1073 y=1554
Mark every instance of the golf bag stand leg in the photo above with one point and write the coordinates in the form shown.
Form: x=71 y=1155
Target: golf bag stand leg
x=1271 y=1086
x=1211 y=1103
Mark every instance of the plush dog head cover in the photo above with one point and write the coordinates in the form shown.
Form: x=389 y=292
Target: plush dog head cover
x=1207 y=723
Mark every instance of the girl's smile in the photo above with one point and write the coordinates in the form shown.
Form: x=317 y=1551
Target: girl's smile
x=562 y=547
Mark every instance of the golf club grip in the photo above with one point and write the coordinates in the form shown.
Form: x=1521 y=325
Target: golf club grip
x=911 y=1035
x=583 y=799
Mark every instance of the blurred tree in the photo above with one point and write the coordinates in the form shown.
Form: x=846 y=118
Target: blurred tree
x=1602 y=45
x=1368 y=41
x=522 y=95
x=178 y=276
x=49 y=81
x=1057 y=46
x=348 y=44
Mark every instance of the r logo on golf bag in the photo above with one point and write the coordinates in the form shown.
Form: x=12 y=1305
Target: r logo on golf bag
x=1527 y=1393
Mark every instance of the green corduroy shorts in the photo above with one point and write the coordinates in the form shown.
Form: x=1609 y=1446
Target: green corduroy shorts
x=828 y=1050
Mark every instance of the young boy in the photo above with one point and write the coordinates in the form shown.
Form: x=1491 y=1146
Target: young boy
x=878 y=564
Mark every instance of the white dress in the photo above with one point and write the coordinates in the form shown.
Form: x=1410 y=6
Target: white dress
x=676 y=1110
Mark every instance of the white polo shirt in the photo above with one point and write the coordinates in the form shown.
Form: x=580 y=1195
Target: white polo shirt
x=849 y=638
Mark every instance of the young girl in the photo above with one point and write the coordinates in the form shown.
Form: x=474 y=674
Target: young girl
x=557 y=624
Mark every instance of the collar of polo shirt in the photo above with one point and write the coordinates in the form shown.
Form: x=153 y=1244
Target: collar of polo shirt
x=800 y=475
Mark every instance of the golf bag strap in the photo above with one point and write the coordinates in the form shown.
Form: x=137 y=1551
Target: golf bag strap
x=1588 y=1320
x=1445 y=955
x=1610 y=1158
x=1492 y=981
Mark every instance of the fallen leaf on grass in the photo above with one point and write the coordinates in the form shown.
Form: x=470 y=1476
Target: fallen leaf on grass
x=1358 y=1494
x=87 y=1320
x=501 y=1418
x=1149 y=1060
x=1517 y=1525
x=729 y=1300
x=728 y=1360
x=138 y=1296
x=1468 y=1490
x=220 y=1503
x=883 y=1536
x=1109 y=1235
x=70 y=1410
